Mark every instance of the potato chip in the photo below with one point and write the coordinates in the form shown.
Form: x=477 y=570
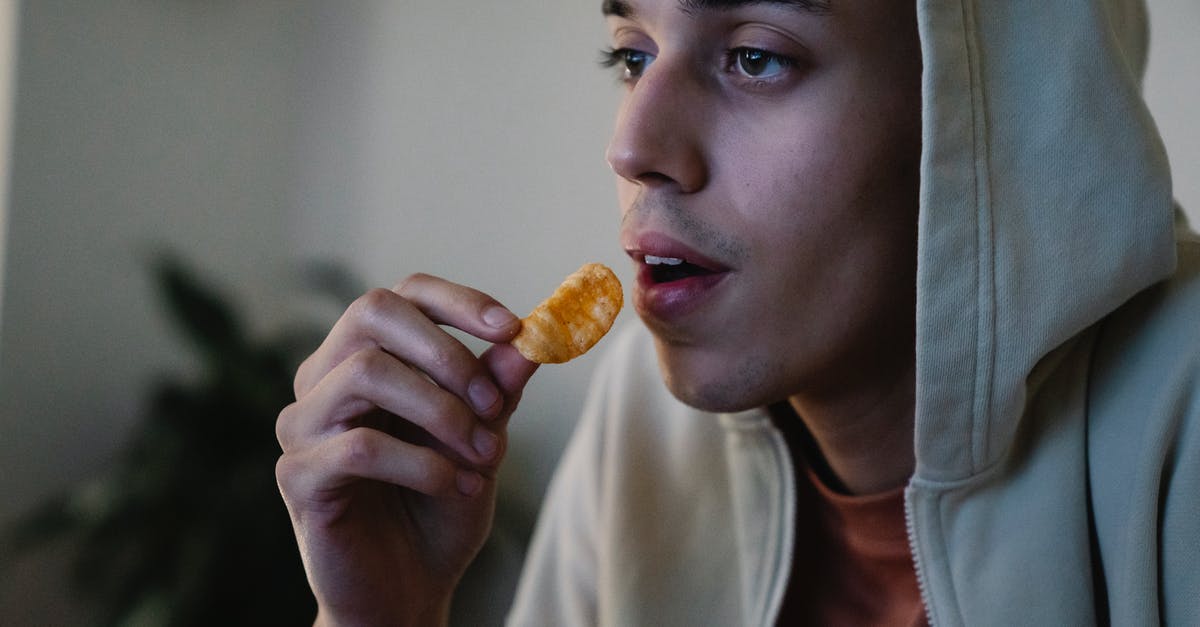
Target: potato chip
x=574 y=318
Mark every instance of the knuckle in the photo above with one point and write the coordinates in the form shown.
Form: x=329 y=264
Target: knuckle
x=368 y=307
x=300 y=384
x=285 y=470
x=357 y=450
x=284 y=418
x=365 y=368
x=411 y=282
x=440 y=356
x=447 y=360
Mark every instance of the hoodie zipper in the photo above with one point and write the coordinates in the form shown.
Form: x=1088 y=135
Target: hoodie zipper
x=922 y=582
x=786 y=536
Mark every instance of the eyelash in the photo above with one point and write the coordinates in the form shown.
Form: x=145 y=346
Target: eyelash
x=614 y=57
x=732 y=59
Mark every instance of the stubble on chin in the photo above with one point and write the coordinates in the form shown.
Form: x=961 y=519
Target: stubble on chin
x=721 y=385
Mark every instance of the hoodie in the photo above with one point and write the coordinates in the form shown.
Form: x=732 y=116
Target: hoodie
x=1051 y=271
x=1057 y=419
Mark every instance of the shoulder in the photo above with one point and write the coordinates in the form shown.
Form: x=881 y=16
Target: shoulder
x=1143 y=441
x=1144 y=388
x=1152 y=343
x=1144 y=397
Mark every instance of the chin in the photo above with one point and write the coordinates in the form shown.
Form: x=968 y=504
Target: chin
x=716 y=383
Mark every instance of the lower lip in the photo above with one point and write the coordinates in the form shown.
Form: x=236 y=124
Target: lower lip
x=668 y=302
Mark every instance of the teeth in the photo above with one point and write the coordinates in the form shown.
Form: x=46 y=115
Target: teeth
x=651 y=260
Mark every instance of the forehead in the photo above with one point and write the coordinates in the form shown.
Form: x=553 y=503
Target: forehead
x=625 y=8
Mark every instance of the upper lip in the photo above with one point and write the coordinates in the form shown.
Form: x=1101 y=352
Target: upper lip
x=661 y=245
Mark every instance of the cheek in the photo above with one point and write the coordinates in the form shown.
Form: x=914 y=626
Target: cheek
x=788 y=175
x=794 y=215
x=812 y=188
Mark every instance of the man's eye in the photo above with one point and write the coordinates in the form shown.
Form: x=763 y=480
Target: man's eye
x=631 y=62
x=755 y=63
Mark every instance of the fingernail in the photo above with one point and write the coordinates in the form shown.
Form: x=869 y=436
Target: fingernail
x=485 y=442
x=469 y=482
x=483 y=394
x=498 y=317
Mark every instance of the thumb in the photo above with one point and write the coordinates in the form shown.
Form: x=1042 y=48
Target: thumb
x=510 y=370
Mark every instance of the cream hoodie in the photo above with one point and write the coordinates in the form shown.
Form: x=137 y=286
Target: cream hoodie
x=1058 y=374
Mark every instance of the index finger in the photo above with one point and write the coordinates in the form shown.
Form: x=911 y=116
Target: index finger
x=464 y=308
x=405 y=319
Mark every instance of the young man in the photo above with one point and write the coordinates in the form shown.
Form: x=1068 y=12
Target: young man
x=913 y=271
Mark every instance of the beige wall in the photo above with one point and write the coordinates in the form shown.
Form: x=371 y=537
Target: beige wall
x=1173 y=91
x=138 y=125
x=8 y=53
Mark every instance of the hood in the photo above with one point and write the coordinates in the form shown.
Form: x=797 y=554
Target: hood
x=1045 y=204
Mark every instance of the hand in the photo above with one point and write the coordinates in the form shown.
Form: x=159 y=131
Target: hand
x=391 y=449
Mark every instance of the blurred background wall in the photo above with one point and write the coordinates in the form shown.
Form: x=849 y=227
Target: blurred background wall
x=8 y=64
x=457 y=137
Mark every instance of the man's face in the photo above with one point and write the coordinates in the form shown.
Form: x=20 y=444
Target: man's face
x=767 y=159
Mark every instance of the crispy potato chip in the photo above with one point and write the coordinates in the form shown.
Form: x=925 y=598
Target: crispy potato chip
x=574 y=318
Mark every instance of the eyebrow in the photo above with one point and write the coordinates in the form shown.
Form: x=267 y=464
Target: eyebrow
x=622 y=8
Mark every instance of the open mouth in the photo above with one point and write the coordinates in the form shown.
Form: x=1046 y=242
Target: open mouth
x=669 y=269
x=673 y=281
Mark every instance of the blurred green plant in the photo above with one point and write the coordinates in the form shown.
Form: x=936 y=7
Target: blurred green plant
x=187 y=528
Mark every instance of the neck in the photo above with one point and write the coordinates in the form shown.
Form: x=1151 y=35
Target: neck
x=865 y=437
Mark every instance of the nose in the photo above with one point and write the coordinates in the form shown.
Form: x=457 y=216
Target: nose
x=658 y=139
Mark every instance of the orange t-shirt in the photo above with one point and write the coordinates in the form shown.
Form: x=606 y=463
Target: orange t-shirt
x=852 y=565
